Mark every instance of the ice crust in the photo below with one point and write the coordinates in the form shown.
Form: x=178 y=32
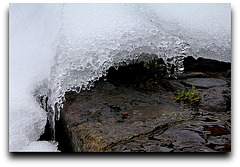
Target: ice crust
x=40 y=146
x=55 y=48
x=32 y=39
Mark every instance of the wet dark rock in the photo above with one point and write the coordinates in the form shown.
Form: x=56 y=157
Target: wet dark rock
x=165 y=149
x=194 y=112
x=125 y=114
x=182 y=139
x=217 y=99
x=202 y=134
x=220 y=143
x=173 y=86
x=97 y=118
x=205 y=65
x=125 y=149
x=192 y=75
x=94 y=122
x=205 y=82
x=228 y=73
x=105 y=86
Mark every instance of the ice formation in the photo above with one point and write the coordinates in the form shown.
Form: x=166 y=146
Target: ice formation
x=33 y=30
x=55 y=48
x=40 y=146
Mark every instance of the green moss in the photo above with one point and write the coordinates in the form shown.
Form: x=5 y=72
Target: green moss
x=155 y=72
x=191 y=96
x=156 y=69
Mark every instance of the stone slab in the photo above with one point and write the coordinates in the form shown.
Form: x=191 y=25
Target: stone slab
x=205 y=82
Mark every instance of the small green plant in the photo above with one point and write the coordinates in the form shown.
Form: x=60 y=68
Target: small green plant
x=191 y=96
x=156 y=68
x=155 y=72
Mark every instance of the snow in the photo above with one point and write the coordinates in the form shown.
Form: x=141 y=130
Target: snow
x=32 y=41
x=41 y=146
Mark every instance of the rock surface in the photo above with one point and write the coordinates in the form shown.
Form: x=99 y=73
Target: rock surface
x=127 y=114
x=205 y=65
x=205 y=82
x=154 y=122
x=173 y=86
x=94 y=118
x=202 y=134
x=217 y=99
